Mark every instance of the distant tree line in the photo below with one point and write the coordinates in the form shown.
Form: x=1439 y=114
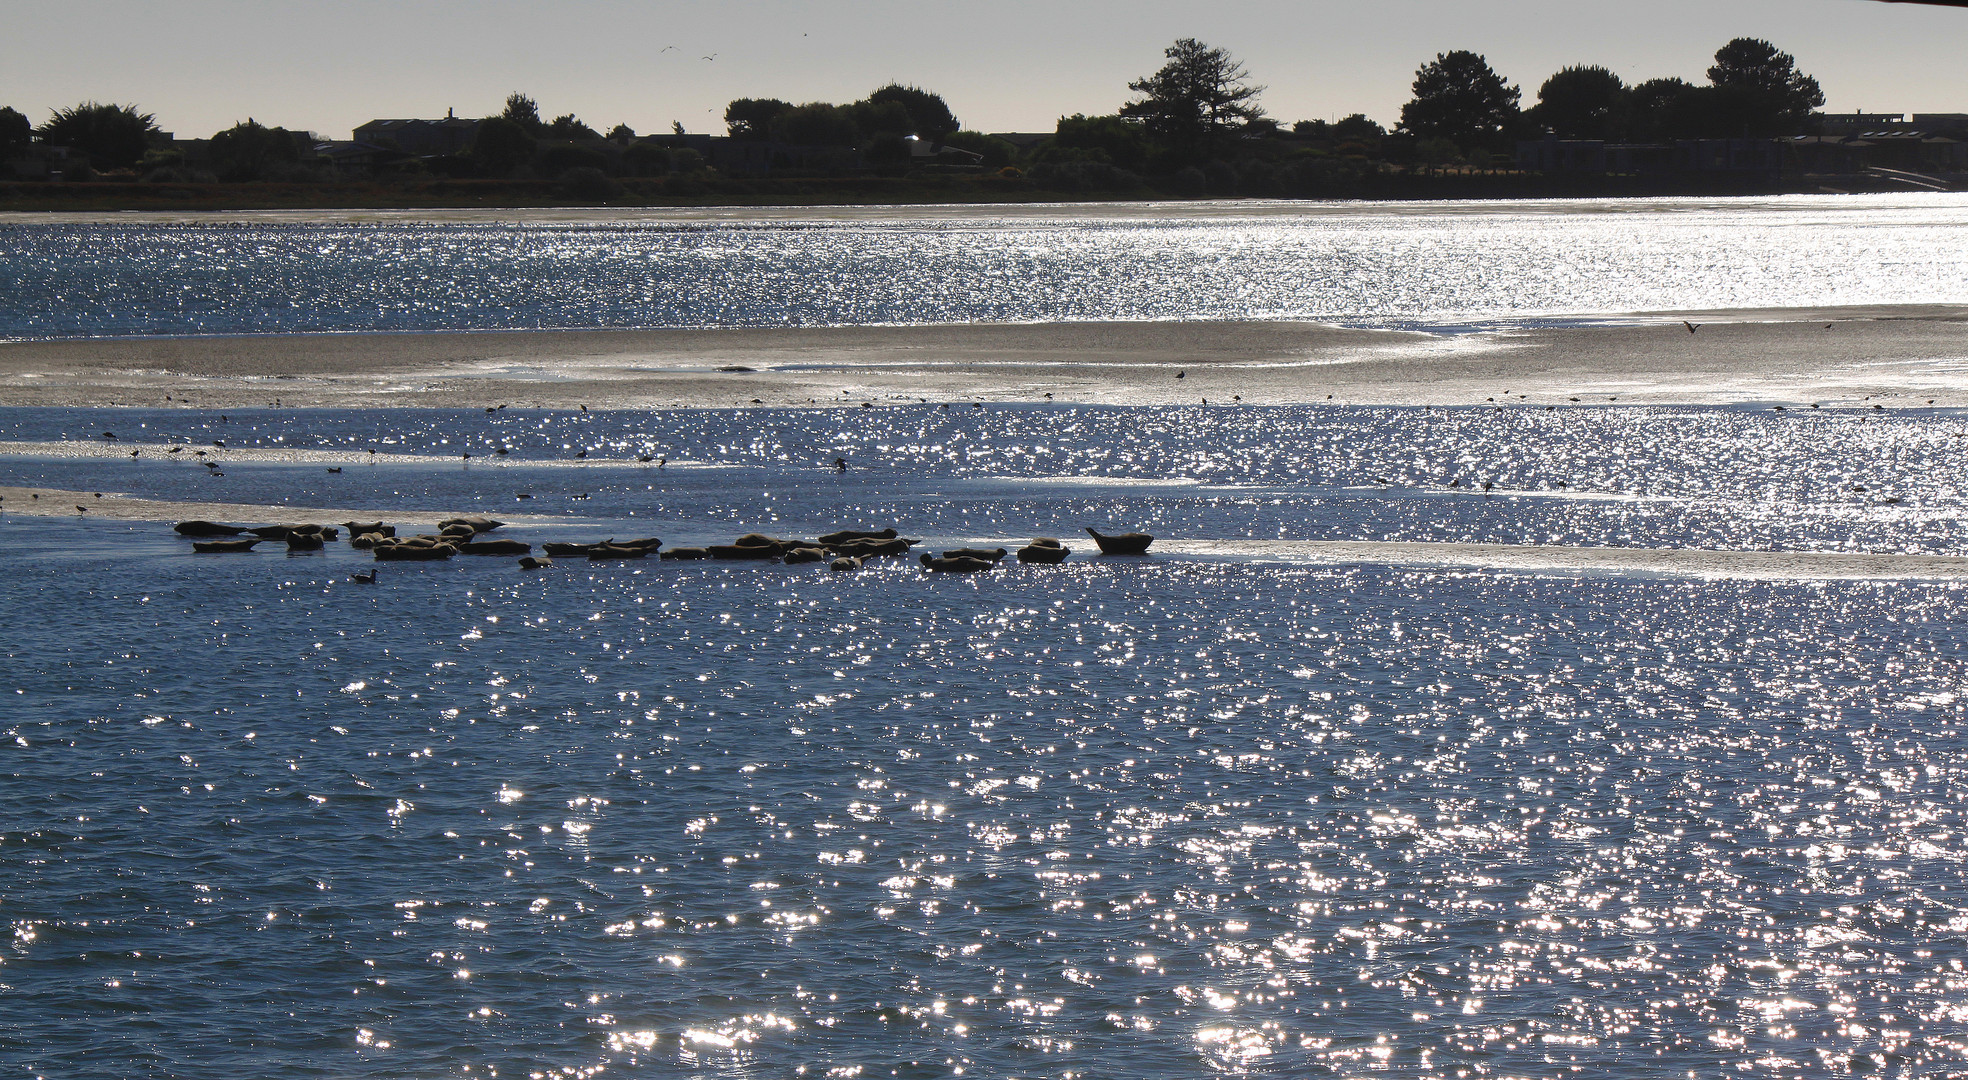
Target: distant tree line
x=1194 y=126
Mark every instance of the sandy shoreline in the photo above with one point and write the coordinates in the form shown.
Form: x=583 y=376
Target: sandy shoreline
x=1898 y=356
x=42 y=502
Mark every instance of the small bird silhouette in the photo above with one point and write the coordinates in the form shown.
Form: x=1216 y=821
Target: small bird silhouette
x=334 y=468
x=1691 y=326
x=1181 y=374
x=80 y=509
x=368 y=578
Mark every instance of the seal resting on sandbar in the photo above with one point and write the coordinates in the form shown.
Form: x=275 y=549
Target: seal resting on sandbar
x=987 y=554
x=687 y=553
x=221 y=547
x=896 y=546
x=957 y=565
x=205 y=528
x=531 y=563
x=611 y=550
x=844 y=535
x=477 y=524
x=803 y=554
x=412 y=551
x=1044 y=550
x=1134 y=543
x=845 y=562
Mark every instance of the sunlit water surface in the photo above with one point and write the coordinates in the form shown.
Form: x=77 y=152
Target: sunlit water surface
x=1157 y=818
x=1373 y=264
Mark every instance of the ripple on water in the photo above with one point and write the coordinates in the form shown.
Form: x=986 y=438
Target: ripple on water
x=1145 y=819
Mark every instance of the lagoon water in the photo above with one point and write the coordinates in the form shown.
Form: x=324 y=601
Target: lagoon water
x=1369 y=264
x=1136 y=818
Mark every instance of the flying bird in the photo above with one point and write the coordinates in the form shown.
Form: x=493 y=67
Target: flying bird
x=1691 y=326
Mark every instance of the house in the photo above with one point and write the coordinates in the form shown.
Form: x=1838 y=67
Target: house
x=358 y=159
x=1552 y=154
x=39 y=161
x=421 y=138
x=938 y=155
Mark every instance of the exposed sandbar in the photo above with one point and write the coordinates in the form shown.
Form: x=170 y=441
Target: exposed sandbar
x=44 y=502
x=1902 y=356
x=1677 y=562
x=1523 y=558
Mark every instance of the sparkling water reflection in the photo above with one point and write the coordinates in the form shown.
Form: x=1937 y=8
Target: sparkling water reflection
x=1132 y=818
x=1367 y=264
x=1110 y=820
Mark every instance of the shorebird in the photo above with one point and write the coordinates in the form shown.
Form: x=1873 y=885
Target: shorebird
x=1691 y=326
x=368 y=578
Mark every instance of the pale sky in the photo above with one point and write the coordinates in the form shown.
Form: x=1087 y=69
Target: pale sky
x=1005 y=65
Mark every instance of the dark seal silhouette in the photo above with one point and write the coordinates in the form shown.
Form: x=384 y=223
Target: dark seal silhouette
x=1134 y=543
x=1044 y=554
x=221 y=547
x=844 y=535
x=956 y=566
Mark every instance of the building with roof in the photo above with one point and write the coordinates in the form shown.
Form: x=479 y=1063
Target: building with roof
x=421 y=138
